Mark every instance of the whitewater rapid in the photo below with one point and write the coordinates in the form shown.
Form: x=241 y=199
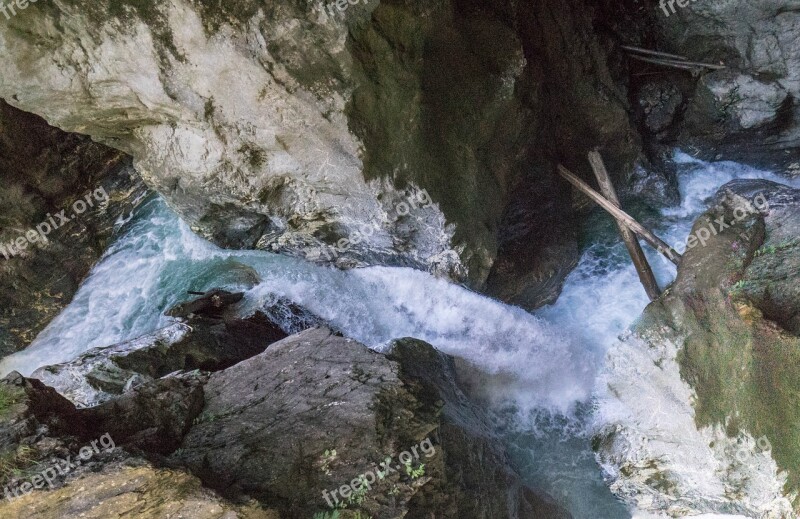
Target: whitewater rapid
x=553 y=357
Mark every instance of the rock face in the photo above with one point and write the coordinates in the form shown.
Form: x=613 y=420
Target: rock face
x=701 y=399
x=753 y=101
x=42 y=171
x=384 y=133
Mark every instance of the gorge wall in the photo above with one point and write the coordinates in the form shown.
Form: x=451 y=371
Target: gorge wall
x=389 y=132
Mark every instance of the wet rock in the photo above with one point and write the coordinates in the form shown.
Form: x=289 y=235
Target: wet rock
x=153 y=417
x=95 y=376
x=538 y=247
x=656 y=184
x=42 y=171
x=316 y=410
x=702 y=389
x=211 y=305
x=200 y=343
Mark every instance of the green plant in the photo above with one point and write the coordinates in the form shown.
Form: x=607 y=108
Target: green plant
x=414 y=473
x=357 y=497
x=8 y=397
x=771 y=249
x=738 y=287
x=328 y=457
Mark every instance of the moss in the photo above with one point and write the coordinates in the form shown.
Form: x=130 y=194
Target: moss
x=747 y=379
x=13 y=463
x=8 y=397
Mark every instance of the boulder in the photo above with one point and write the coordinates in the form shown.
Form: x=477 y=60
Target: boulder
x=746 y=112
x=296 y=426
x=209 y=344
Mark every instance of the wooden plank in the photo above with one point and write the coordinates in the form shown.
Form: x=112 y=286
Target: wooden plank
x=654 y=241
x=646 y=275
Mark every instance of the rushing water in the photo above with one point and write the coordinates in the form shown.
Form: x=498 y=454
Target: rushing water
x=552 y=357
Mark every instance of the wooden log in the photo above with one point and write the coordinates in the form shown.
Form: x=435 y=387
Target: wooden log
x=646 y=275
x=652 y=52
x=686 y=65
x=654 y=241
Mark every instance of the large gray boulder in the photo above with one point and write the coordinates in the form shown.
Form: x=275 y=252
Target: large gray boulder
x=295 y=425
x=748 y=111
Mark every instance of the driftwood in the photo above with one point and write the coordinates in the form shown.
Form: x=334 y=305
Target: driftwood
x=646 y=275
x=656 y=242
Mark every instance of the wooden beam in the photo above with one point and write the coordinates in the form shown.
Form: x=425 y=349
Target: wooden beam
x=654 y=241
x=646 y=275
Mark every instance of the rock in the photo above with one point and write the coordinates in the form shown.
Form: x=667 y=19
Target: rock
x=153 y=417
x=464 y=435
x=42 y=171
x=315 y=411
x=538 y=247
x=692 y=431
x=659 y=102
x=200 y=343
x=135 y=492
x=385 y=134
x=656 y=184
x=729 y=103
x=212 y=305
x=748 y=111
x=31 y=411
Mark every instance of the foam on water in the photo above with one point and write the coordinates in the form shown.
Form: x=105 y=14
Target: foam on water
x=553 y=357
